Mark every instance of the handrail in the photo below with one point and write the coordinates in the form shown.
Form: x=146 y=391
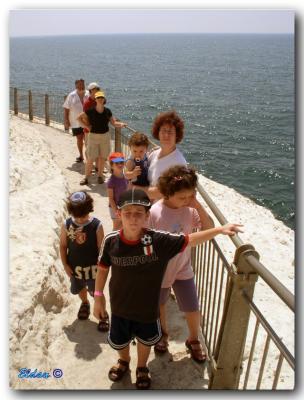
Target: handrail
x=264 y=273
x=281 y=290
x=216 y=211
x=285 y=295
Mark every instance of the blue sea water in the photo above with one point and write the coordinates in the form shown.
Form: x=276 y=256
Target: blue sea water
x=234 y=92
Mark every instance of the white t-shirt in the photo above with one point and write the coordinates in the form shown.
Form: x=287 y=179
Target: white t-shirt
x=74 y=104
x=158 y=165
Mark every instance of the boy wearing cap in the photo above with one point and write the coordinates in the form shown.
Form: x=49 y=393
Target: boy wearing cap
x=116 y=185
x=80 y=240
x=97 y=120
x=138 y=258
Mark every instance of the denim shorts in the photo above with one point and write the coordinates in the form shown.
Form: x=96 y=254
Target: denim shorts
x=185 y=293
x=78 y=284
x=123 y=330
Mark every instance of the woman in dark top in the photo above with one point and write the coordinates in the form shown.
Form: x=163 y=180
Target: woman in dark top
x=97 y=121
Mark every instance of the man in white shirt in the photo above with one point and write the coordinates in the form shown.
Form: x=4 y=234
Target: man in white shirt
x=73 y=106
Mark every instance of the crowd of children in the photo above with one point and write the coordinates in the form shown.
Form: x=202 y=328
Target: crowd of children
x=148 y=253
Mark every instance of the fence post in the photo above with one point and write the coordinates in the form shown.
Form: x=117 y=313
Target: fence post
x=30 y=99
x=118 y=139
x=47 y=109
x=15 y=101
x=233 y=331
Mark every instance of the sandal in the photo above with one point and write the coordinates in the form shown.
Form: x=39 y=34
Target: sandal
x=116 y=373
x=103 y=324
x=84 y=311
x=196 y=351
x=143 y=380
x=79 y=159
x=161 y=347
x=85 y=181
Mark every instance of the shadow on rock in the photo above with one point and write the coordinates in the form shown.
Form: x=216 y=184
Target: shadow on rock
x=184 y=373
x=87 y=338
x=77 y=167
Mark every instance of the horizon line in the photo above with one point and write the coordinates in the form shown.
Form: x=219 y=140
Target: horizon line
x=152 y=33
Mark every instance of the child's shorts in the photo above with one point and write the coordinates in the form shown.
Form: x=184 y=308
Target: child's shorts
x=78 y=284
x=124 y=330
x=185 y=293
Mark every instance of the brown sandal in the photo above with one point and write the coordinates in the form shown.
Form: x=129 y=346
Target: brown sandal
x=143 y=380
x=196 y=351
x=84 y=311
x=161 y=347
x=116 y=373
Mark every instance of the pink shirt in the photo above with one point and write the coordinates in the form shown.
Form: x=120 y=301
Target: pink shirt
x=175 y=220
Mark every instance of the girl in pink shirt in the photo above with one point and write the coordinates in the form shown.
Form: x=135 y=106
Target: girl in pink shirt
x=180 y=212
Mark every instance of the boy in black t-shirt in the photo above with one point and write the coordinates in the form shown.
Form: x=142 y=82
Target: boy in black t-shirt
x=138 y=258
x=80 y=240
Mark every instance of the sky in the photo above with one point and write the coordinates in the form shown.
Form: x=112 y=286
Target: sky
x=89 y=21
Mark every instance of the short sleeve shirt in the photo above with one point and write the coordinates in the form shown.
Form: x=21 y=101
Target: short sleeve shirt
x=181 y=220
x=158 y=165
x=137 y=271
x=119 y=185
x=75 y=106
x=99 y=121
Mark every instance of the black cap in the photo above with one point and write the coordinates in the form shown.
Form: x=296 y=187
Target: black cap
x=135 y=197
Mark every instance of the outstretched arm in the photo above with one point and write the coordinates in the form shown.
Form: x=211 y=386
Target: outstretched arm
x=203 y=236
x=117 y=124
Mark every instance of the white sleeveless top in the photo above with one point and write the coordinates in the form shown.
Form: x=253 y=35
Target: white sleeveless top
x=158 y=165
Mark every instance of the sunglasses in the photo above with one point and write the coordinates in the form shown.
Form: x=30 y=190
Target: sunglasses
x=96 y=98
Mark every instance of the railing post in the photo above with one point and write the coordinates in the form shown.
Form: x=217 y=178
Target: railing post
x=117 y=139
x=15 y=101
x=30 y=99
x=47 y=109
x=232 y=336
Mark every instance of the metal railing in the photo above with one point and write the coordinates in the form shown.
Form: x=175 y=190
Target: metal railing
x=229 y=315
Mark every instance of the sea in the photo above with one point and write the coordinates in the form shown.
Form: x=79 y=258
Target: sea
x=235 y=93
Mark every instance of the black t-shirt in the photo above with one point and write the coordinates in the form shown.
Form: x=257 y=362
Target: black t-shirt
x=99 y=121
x=82 y=243
x=137 y=271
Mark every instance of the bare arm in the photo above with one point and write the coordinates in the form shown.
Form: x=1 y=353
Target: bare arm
x=205 y=219
x=66 y=114
x=63 y=251
x=203 y=236
x=132 y=171
x=154 y=193
x=100 y=301
x=84 y=120
x=117 y=124
x=100 y=236
x=111 y=199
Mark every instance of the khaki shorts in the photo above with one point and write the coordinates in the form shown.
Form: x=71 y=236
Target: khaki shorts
x=98 y=145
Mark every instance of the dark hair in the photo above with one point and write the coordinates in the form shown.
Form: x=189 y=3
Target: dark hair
x=175 y=179
x=138 y=139
x=81 y=208
x=79 y=80
x=171 y=118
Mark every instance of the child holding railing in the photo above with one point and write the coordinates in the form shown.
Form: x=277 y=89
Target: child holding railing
x=180 y=212
x=137 y=165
